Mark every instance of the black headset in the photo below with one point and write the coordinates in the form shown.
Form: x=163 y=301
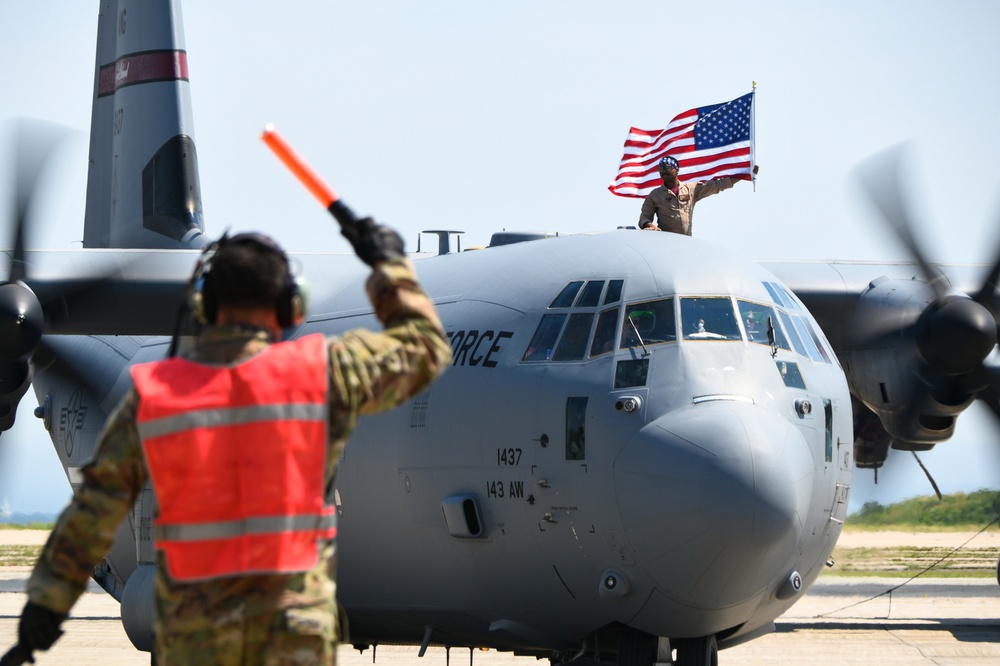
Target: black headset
x=293 y=299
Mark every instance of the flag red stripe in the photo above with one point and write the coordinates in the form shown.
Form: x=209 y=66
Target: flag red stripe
x=694 y=164
x=638 y=169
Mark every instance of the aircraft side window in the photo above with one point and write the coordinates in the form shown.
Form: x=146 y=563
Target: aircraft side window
x=804 y=335
x=576 y=434
x=591 y=294
x=544 y=340
x=567 y=295
x=649 y=323
x=792 y=335
x=614 y=293
x=755 y=317
x=631 y=373
x=819 y=342
x=573 y=343
x=775 y=295
x=793 y=304
x=709 y=319
x=828 y=415
x=604 y=334
x=781 y=297
x=790 y=374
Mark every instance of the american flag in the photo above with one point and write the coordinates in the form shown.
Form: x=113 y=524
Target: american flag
x=709 y=142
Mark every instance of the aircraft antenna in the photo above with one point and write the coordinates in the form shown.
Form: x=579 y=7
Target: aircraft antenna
x=937 y=491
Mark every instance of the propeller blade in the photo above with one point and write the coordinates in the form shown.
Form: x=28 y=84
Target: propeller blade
x=989 y=395
x=34 y=143
x=880 y=179
x=987 y=292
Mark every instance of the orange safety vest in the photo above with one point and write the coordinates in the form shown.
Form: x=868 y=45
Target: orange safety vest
x=237 y=457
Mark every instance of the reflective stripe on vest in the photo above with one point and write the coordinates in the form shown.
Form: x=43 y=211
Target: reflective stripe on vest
x=225 y=530
x=237 y=458
x=170 y=425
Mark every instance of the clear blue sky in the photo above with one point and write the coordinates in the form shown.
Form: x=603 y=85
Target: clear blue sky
x=485 y=116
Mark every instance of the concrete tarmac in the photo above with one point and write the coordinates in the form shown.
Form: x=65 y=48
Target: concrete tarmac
x=840 y=620
x=935 y=621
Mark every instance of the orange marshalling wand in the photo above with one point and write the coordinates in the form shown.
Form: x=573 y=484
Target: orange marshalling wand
x=326 y=196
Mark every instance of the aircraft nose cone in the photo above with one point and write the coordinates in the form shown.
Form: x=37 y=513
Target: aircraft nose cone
x=713 y=497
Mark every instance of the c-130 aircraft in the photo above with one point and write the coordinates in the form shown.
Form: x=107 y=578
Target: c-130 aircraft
x=670 y=468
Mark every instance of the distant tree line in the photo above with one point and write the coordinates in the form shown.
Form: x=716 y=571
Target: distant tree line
x=28 y=519
x=978 y=508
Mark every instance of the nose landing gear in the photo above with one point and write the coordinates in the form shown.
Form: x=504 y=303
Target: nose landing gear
x=637 y=648
x=702 y=651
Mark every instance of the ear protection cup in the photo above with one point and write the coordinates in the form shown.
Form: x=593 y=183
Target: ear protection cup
x=203 y=305
x=292 y=302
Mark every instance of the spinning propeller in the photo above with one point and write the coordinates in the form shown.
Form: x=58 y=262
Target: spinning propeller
x=21 y=314
x=953 y=335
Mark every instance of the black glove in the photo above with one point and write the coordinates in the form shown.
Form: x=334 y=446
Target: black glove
x=39 y=627
x=16 y=656
x=373 y=242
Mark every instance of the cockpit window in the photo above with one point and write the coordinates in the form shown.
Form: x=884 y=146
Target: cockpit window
x=780 y=296
x=649 y=323
x=591 y=295
x=807 y=339
x=756 y=318
x=709 y=319
x=568 y=335
x=566 y=296
x=573 y=343
x=793 y=304
x=544 y=340
x=793 y=334
x=604 y=334
x=614 y=293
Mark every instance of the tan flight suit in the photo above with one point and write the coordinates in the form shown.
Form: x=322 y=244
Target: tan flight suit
x=674 y=212
x=259 y=619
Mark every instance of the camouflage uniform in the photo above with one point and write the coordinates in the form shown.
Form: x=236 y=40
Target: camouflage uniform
x=674 y=211
x=265 y=619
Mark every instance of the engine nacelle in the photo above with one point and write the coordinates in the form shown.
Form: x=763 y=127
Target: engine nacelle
x=912 y=358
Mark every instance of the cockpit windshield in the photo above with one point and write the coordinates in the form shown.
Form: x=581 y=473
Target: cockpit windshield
x=758 y=319
x=649 y=323
x=709 y=319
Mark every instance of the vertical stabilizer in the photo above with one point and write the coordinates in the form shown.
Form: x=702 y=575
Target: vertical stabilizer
x=142 y=189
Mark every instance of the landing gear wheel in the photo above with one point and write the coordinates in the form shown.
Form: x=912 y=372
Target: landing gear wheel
x=636 y=648
x=703 y=651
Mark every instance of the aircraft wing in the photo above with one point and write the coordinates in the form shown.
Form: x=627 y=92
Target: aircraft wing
x=832 y=290
x=110 y=293
x=916 y=352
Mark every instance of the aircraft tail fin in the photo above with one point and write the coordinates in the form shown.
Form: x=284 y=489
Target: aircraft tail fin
x=143 y=189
